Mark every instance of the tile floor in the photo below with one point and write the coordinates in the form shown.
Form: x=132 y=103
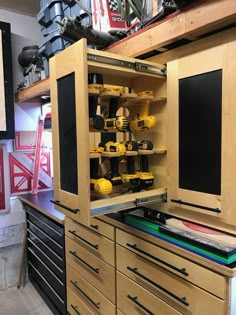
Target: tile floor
x=23 y=301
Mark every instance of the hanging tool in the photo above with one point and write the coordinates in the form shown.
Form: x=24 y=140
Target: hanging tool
x=99 y=184
x=115 y=123
x=143 y=121
x=96 y=122
x=131 y=151
x=146 y=178
x=113 y=150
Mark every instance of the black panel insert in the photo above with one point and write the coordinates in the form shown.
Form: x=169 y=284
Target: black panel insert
x=67 y=133
x=200 y=114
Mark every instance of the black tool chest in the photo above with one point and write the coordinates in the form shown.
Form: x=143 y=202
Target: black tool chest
x=46 y=258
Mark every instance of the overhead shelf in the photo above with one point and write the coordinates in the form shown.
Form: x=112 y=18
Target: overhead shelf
x=34 y=93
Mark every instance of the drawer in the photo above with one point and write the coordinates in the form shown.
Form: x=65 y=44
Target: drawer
x=75 y=306
x=132 y=299
x=119 y=312
x=46 y=239
x=96 y=301
x=176 y=291
x=58 y=271
x=46 y=289
x=52 y=279
x=100 y=274
x=58 y=259
x=102 y=228
x=96 y=243
x=46 y=228
x=182 y=267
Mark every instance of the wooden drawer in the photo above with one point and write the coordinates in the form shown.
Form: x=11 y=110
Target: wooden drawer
x=96 y=243
x=132 y=299
x=96 y=301
x=75 y=306
x=178 y=292
x=182 y=267
x=119 y=312
x=100 y=274
x=103 y=228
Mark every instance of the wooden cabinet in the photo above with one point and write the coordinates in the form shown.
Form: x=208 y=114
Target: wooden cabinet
x=7 y=123
x=73 y=140
x=90 y=257
x=202 y=133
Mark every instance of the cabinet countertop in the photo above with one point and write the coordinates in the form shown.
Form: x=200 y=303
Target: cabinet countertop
x=41 y=202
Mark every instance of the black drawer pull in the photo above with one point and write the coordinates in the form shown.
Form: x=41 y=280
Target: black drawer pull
x=58 y=203
x=75 y=309
x=84 y=240
x=94 y=226
x=182 y=300
x=97 y=305
x=84 y=262
x=196 y=205
x=182 y=271
x=135 y=300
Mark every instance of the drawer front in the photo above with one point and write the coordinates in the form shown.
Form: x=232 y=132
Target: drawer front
x=46 y=288
x=132 y=299
x=96 y=301
x=92 y=268
x=102 y=228
x=96 y=243
x=45 y=238
x=52 y=279
x=178 y=292
x=46 y=228
x=75 y=306
x=119 y=312
x=58 y=271
x=182 y=267
x=58 y=259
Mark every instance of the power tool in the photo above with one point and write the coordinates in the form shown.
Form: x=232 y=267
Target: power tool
x=146 y=178
x=96 y=122
x=143 y=121
x=131 y=151
x=99 y=184
x=113 y=151
x=113 y=122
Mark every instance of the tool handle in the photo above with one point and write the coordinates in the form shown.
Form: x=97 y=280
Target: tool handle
x=144 y=163
x=115 y=167
x=93 y=103
x=130 y=167
x=113 y=106
x=144 y=110
x=94 y=165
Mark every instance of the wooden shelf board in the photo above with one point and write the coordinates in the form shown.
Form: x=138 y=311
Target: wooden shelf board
x=33 y=93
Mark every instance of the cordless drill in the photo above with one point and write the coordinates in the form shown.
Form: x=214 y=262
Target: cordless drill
x=113 y=150
x=146 y=178
x=113 y=122
x=143 y=120
x=99 y=184
x=131 y=151
x=96 y=122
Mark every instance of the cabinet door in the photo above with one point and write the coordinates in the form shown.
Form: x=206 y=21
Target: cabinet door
x=68 y=83
x=202 y=133
x=7 y=124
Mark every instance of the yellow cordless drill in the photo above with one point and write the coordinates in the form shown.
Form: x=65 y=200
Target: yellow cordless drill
x=99 y=184
x=146 y=178
x=113 y=122
x=131 y=151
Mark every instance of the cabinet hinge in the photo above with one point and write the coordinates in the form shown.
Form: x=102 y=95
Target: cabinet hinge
x=138 y=66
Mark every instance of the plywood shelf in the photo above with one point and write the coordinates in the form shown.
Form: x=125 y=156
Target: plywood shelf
x=33 y=93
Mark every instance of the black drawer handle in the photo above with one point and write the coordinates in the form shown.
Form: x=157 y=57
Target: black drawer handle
x=196 y=205
x=97 y=305
x=58 y=203
x=75 y=309
x=94 y=226
x=135 y=300
x=84 y=262
x=84 y=240
x=182 y=300
x=182 y=270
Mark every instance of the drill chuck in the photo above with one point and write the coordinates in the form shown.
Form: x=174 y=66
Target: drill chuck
x=119 y=123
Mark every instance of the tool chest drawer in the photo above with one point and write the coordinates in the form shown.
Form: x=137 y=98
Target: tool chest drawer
x=96 y=271
x=95 y=243
x=176 y=291
x=90 y=296
x=102 y=228
x=75 y=306
x=210 y=281
x=132 y=299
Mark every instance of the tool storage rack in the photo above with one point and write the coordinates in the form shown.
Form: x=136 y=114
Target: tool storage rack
x=72 y=140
